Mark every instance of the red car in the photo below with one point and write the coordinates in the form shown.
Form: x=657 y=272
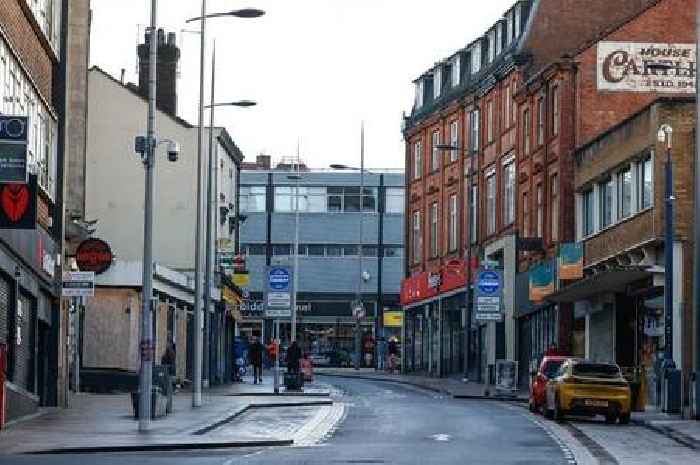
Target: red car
x=538 y=384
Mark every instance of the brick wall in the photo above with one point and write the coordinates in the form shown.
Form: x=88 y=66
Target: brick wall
x=669 y=21
x=16 y=25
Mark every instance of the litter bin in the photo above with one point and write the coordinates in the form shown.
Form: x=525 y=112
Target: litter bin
x=672 y=391
x=135 y=395
x=293 y=381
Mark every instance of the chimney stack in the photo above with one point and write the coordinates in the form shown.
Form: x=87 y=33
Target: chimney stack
x=166 y=70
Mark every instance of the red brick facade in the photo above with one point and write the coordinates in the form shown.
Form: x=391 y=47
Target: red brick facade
x=19 y=28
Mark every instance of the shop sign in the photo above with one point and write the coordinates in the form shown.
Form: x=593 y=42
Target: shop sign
x=393 y=319
x=541 y=282
x=628 y=67
x=13 y=149
x=241 y=278
x=18 y=205
x=434 y=280
x=78 y=284
x=94 y=255
x=571 y=261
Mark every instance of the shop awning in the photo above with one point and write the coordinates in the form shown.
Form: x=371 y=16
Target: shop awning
x=607 y=281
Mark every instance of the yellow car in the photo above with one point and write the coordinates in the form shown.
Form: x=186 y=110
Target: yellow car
x=588 y=388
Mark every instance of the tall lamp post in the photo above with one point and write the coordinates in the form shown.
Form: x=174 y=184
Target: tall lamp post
x=198 y=315
x=295 y=270
x=665 y=136
x=360 y=277
x=696 y=251
x=468 y=322
x=211 y=201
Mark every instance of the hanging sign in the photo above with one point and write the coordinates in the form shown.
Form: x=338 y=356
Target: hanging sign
x=13 y=149
x=18 y=205
x=94 y=255
x=541 y=282
x=571 y=261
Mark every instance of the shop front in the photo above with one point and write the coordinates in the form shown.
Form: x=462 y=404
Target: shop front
x=434 y=312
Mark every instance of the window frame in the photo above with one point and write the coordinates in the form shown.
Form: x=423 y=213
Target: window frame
x=622 y=186
x=541 y=118
x=491 y=213
x=454 y=140
x=417 y=251
x=527 y=130
x=556 y=110
x=418 y=160
x=434 y=151
x=509 y=192
x=434 y=230
x=588 y=212
x=554 y=207
x=453 y=223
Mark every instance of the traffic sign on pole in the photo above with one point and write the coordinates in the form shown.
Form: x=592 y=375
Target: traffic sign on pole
x=488 y=295
x=78 y=284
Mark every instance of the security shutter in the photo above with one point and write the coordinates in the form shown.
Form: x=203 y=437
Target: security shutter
x=24 y=345
x=4 y=310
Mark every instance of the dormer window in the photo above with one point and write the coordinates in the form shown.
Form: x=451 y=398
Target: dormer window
x=499 y=39
x=456 y=71
x=437 y=82
x=510 y=27
x=492 y=45
x=476 y=58
x=419 y=93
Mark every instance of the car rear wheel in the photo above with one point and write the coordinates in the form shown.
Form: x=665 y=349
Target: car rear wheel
x=624 y=418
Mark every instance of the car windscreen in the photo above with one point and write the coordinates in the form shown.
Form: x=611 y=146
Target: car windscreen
x=596 y=370
x=551 y=369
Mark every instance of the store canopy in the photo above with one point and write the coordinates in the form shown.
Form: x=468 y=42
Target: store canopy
x=606 y=281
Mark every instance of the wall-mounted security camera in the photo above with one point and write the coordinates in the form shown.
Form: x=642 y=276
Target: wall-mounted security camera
x=173 y=151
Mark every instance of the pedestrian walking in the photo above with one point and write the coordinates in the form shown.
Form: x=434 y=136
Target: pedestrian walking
x=293 y=357
x=255 y=357
x=381 y=352
x=393 y=353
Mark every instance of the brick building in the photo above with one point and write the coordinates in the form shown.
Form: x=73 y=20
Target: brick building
x=34 y=58
x=619 y=184
x=510 y=103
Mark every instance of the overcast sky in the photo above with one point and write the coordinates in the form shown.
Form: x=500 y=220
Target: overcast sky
x=317 y=68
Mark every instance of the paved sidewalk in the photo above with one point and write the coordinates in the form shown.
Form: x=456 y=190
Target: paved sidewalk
x=97 y=422
x=682 y=430
x=454 y=387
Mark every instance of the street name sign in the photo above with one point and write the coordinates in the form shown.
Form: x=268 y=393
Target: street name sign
x=278 y=292
x=78 y=284
x=488 y=293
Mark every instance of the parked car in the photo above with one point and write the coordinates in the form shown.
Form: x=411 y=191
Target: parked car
x=589 y=388
x=549 y=367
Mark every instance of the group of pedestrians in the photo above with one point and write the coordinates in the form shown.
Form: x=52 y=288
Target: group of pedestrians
x=257 y=352
x=387 y=354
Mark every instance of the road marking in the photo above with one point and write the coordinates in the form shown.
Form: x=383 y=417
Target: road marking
x=441 y=437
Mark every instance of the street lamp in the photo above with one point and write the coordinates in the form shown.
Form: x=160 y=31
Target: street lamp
x=296 y=178
x=360 y=277
x=665 y=135
x=211 y=200
x=199 y=317
x=468 y=322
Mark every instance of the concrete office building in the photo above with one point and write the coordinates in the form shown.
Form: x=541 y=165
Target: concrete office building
x=329 y=238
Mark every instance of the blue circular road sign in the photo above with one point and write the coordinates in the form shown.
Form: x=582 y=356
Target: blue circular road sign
x=278 y=279
x=489 y=282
